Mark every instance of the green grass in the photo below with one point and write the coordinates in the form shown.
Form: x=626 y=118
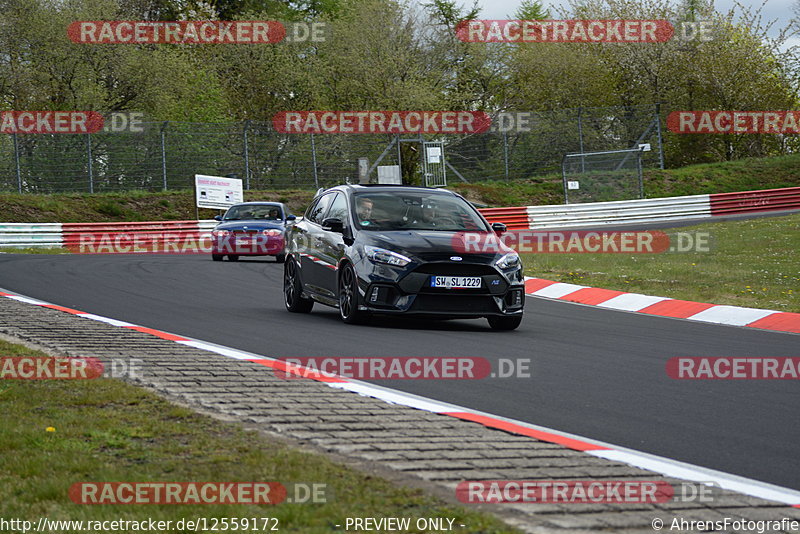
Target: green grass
x=105 y=430
x=752 y=263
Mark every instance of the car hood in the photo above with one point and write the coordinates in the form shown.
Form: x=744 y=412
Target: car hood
x=429 y=245
x=251 y=224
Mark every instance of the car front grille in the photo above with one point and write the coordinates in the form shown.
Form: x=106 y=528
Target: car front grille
x=467 y=304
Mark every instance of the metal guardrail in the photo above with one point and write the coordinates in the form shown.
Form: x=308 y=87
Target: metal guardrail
x=787 y=198
x=620 y=212
x=31 y=235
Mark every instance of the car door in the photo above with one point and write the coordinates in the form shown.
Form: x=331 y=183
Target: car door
x=331 y=246
x=311 y=259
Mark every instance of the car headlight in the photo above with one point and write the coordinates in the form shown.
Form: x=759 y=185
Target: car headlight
x=508 y=261
x=272 y=232
x=219 y=233
x=381 y=255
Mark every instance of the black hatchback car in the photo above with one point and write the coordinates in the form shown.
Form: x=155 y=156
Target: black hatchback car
x=400 y=250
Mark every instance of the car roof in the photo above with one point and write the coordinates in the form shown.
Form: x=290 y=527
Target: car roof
x=388 y=188
x=259 y=203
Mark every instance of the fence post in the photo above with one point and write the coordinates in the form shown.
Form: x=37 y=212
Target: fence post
x=246 y=156
x=400 y=155
x=16 y=161
x=164 y=154
x=564 y=178
x=89 y=161
x=314 y=161
x=580 y=137
x=639 y=169
x=505 y=151
x=660 y=142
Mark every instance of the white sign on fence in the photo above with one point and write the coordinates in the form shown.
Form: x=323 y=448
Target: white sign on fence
x=434 y=154
x=217 y=192
x=573 y=184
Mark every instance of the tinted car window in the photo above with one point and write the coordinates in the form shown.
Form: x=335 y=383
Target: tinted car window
x=415 y=211
x=254 y=211
x=318 y=210
x=338 y=208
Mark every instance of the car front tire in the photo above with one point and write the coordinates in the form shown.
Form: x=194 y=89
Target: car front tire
x=349 y=297
x=505 y=323
x=217 y=257
x=293 y=289
x=280 y=258
x=233 y=257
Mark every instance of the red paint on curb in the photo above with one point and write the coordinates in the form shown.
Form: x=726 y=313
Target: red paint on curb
x=535 y=284
x=592 y=295
x=514 y=428
x=680 y=309
x=280 y=365
x=783 y=321
x=62 y=308
x=677 y=309
x=157 y=333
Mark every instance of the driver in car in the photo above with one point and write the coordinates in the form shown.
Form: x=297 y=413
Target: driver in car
x=364 y=209
x=426 y=216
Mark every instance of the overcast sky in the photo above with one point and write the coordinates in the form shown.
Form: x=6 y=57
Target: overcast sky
x=782 y=10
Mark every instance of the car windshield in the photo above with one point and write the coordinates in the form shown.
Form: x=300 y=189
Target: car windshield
x=262 y=212
x=386 y=211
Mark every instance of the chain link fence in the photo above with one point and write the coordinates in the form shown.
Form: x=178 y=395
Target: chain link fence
x=167 y=155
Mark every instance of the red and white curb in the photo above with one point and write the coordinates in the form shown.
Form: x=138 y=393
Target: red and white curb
x=664 y=466
x=664 y=307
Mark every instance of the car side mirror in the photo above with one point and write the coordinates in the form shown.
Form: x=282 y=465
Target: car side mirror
x=499 y=228
x=333 y=224
x=291 y=218
x=218 y=217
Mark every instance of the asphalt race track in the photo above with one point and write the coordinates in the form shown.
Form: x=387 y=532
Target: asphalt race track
x=596 y=373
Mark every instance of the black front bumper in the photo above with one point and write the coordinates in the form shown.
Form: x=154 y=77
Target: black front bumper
x=411 y=294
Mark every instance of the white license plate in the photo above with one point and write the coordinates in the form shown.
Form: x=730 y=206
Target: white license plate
x=244 y=240
x=456 y=282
